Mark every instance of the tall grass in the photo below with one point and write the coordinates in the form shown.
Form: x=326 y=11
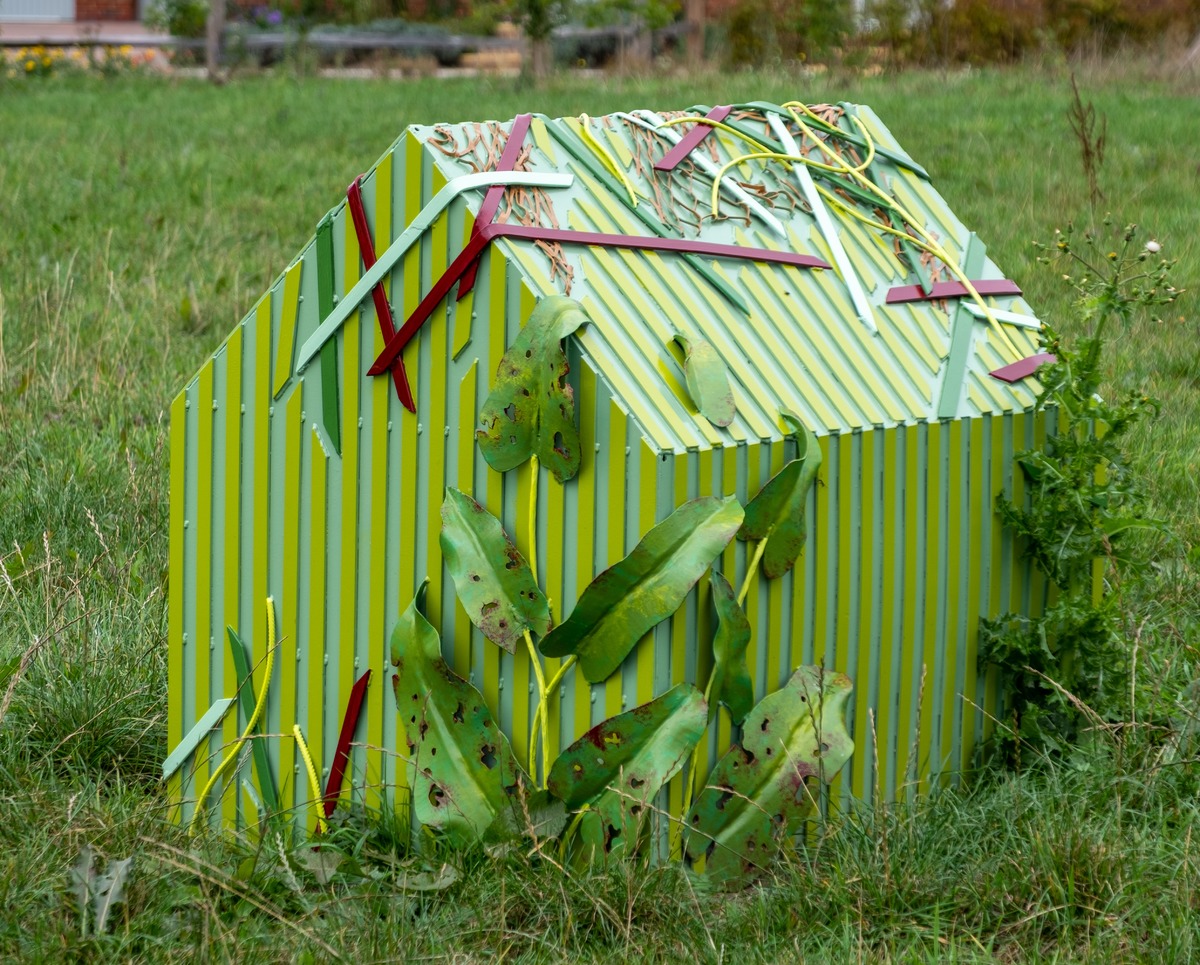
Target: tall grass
x=143 y=217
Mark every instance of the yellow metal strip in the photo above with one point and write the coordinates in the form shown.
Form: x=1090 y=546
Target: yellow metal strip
x=552 y=583
x=980 y=507
x=902 y=321
x=255 y=635
x=466 y=483
x=522 y=670
x=204 y=470
x=952 y=709
x=289 y=603
x=497 y=287
x=617 y=447
x=868 y=644
x=175 y=646
x=647 y=470
x=933 y=598
x=532 y=266
x=773 y=634
x=890 y=678
x=348 y=594
x=543 y=140
x=909 y=675
x=287 y=327
x=318 y=550
x=585 y=552
x=729 y=462
x=846 y=580
x=232 y=526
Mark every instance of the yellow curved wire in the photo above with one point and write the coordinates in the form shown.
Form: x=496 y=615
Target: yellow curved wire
x=924 y=240
x=198 y=809
x=608 y=160
x=313 y=781
x=842 y=166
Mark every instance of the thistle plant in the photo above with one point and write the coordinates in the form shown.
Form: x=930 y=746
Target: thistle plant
x=1085 y=500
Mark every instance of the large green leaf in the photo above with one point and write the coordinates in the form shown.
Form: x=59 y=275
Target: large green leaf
x=731 y=683
x=618 y=766
x=646 y=587
x=707 y=380
x=493 y=581
x=758 y=794
x=531 y=409
x=461 y=770
x=776 y=514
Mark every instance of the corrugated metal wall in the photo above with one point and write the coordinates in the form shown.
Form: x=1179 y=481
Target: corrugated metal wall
x=263 y=505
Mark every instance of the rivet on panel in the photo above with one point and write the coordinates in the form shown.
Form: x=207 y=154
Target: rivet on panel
x=627 y=450
x=336 y=299
x=184 y=639
x=187 y=403
x=303 y=415
x=299 y=298
x=389 y=425
x=500 y=684
x=271 y=410
x=597 y=447
x=447 y=432
x=420 y=428
x=243 y=410
x=360 y=422
x=593 y=696
x=186 y=523
x=531 y=688
x=215 y=406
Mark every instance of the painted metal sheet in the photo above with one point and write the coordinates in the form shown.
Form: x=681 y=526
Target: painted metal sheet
x=903 y=556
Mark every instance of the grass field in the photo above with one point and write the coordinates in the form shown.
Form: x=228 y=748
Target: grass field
x=141 y=218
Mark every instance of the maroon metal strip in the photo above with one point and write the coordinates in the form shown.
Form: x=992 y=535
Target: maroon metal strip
x=342 y=755
x=951 y=289
x=690 y=140
x=1024 y=368
x=491 y=200
x=383 y=311
x=477 y=243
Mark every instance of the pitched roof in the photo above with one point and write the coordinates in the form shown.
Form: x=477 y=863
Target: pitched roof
x=853 y=345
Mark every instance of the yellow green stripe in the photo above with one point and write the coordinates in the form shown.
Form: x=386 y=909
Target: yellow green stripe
x=204 y=562
x=585 y=551
x=466 y=483
x=314 y=727
x=287 y=326
x=647 y=516
x=232 y=526
x=289 y=601
x=617 y=459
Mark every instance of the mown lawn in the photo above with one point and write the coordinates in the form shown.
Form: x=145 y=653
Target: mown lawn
x=140 y=218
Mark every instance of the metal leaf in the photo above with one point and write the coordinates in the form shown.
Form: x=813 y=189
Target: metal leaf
x=460 y=767
x=707 y=380
x=531 y=409
x=619 y=765
x=758 y=794
x=776 y=514
x=644 y=588
x=493 y=581
x=731 y=683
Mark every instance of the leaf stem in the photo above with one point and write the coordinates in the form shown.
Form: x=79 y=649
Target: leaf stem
x=541 y=682
x=752 y=570
x=533 y=499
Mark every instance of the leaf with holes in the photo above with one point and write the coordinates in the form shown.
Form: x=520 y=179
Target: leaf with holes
x=460 y=767
x=531 y=408
x=776 y=514
x=493 y=581
x=618 y=766
x=707 y=380
x=646 y=587
x=731 y=683
x=758 y=794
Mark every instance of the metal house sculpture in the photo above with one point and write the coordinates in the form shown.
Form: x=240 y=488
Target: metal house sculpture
x=766 y=302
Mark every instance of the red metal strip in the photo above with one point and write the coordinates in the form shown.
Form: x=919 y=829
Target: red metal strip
x=342 y=755
x=491 y=200
x=1024 y=368
x=690 y=140
x=477 y=243
x=951 y=289
x=383 y=311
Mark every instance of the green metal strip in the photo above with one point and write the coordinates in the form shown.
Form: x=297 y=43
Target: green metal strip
x=185 y=748
x=330 y=415
x=587 y=160
x=962 y=328
x=247 y=698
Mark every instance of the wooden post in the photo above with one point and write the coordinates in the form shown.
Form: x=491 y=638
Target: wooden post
x=212 y=47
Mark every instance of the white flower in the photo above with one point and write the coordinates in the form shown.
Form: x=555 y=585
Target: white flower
x=1153 y=247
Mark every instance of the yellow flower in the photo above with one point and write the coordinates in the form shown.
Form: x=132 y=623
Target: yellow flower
x=126 y=49
x=45 y=61
x=28 y=66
